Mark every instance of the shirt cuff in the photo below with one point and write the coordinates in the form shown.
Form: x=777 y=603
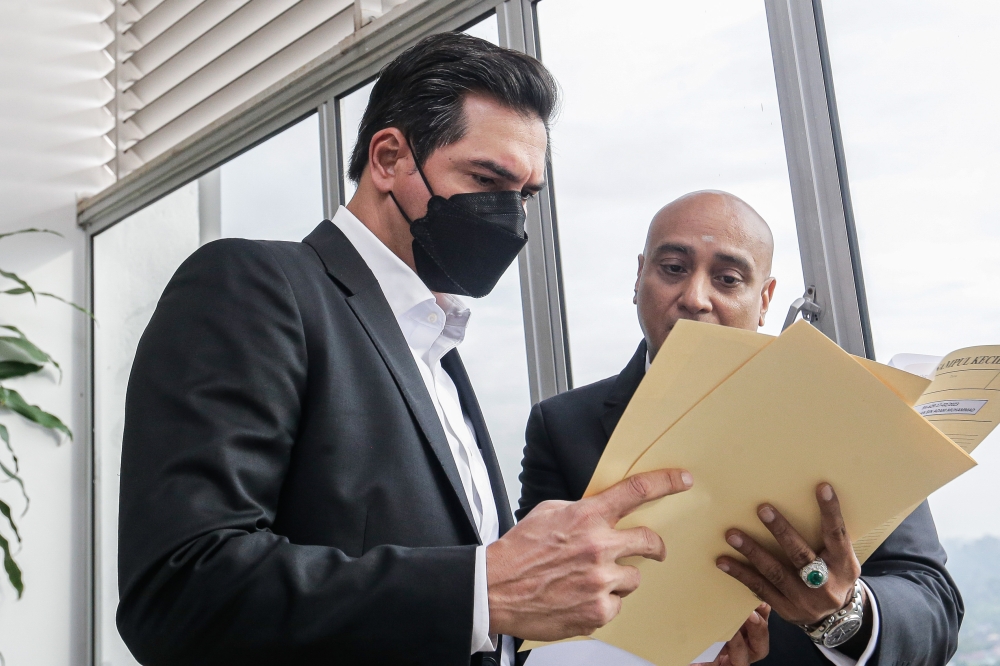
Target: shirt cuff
x=482 y=639
x=841 y=659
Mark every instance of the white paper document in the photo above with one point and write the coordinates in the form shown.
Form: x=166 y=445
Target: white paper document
x=596 y=653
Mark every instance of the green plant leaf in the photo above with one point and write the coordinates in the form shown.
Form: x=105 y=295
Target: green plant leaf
x=23 y=349
x=32 y=230
x=10 y=566
x=11 y=369
x=5 y=436
x=13 y=401
x=13 y=476
x=69 y=303
x=25 y=288
x=5 y=512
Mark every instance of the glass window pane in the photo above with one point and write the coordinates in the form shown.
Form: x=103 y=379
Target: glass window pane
x=133 y=262
x=679 y=98
x=274 y=191
x=919 y=99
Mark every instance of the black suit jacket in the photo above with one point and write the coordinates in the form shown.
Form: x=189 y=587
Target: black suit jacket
x=287 y=492
x=920 y=608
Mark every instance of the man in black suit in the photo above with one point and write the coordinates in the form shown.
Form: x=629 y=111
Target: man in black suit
x=708 y=258
x=306 y=474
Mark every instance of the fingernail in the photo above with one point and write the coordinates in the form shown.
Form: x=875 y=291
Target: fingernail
x=723 y=567
x=826 y=492
x=755 y=618
x=766 y=514
x=687 y=479
x=735 y=540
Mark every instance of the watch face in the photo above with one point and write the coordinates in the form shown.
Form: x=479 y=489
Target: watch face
x=842 y=631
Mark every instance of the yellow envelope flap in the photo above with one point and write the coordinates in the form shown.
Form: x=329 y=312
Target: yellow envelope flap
x=906 y=385
x=695 y=358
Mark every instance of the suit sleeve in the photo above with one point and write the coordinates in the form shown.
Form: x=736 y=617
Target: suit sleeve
x=541 y=478
x=920 y=607
x=212 y=411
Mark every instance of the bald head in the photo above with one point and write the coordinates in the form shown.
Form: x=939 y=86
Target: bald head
x=707 y=258
x=713 y=210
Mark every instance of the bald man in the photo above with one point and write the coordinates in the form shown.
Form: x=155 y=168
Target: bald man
x=707 y=258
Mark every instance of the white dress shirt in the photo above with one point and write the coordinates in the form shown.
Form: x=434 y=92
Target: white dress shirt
x=835 y=656
x=432 y=325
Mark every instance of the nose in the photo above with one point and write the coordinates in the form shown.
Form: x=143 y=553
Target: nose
x=695 y=299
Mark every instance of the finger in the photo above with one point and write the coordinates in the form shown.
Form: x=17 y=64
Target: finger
x=736 y=650
x=626 y=496
x=764 y=610
x=628 y=581
x=757 y=635
x=762 y=588
x=835 y=536
x=640 y=541
x=767 y=564
x=798 y=551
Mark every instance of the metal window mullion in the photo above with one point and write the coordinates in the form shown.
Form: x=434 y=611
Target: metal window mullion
x=92 y=580
x=331 y=164
x=817 y=175
x=541 y=289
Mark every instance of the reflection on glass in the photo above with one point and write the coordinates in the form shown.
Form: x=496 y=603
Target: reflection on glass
x=274 y=191
x=919 y=99
x=681 y=99
x=133 y=262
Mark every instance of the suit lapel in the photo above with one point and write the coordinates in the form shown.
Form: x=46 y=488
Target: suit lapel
x=452 y=364
x=623 y=389
x=365 y=298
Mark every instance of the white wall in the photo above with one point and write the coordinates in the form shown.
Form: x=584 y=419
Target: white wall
x=51 y=148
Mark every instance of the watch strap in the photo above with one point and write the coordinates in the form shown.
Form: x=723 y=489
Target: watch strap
x=839 y=627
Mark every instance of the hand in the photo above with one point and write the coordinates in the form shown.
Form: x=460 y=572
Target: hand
x=779 y=584
x=555 y=574
x=750 y=644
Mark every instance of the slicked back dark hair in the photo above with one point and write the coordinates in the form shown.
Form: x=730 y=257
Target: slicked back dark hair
x=421 y=92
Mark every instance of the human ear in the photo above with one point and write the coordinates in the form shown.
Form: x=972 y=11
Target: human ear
x=387 y=150
x=766 y=293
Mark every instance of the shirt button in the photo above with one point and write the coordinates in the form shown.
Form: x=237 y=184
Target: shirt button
x=432 y=317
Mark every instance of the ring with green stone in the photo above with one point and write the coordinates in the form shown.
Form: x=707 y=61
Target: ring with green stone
x=815 y=574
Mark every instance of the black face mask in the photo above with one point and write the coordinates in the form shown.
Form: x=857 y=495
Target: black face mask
x=464 y=244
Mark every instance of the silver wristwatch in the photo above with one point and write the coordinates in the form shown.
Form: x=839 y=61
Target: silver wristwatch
x=840 y=627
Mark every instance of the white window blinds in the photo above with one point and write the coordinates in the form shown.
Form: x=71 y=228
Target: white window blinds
x=180 y=65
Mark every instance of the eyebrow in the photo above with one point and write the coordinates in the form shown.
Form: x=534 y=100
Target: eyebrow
x=506 y=174
x=675 y=247
x=731 y=259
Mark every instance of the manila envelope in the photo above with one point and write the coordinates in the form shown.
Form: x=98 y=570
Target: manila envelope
x=798 y=412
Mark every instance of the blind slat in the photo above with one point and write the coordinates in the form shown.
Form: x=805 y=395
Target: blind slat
x=164 y=15
x=184 y=64
x=244 y=88
x=178 y=37
x=237 y=61
x=204 y=48
x=143 y=6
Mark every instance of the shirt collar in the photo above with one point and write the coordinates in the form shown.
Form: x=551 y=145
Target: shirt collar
x=432 y=324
